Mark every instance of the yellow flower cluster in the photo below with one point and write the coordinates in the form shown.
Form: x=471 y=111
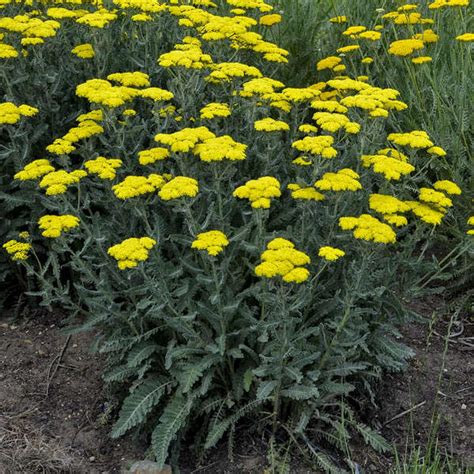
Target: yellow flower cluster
x=180 y=186
x=84 y=51
x=225 y=72
x=188 y=55
x=321 y=145
x=219 y=149
x=367 y=227
x=305 y=193
x=344 y=180
x=414 y=139
x=54 y=226
x=466 y=37
x=148 y=157
x=184 y=140
x=384 y=163
x=131 y=251
x=331 y=254
x=34 y=170
x=448 y=3
x=389 y=207
x=377 y=101
x=259 y=191
x=214 y=110
x=331 y=62
x=282 y=259
x=332 y=122
x=11 y=113
x=65 y=145
x=470 y=222
x=17 y=250
x=133 y=186
x=98 y=19
x=213 y=242
x=405 y=47
x=57 y=182
x=270 y=125
x=270 y=20
x=103 y=167
x=7 y=51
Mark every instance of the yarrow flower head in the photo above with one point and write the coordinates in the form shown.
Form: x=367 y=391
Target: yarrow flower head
x=17 y=250
x=270 y=125
x=259 y=191
x=11 y=113
x=305 y=193
x=213 y=242
x=367 y=227
x=133 y=186
x=178 y=187
x=54 y=226
x=131 y=252
x=105 y=168
x=344 y=180
x=57 y=182
x=34 y=170
x=283 y=260
x=331 y=254
x=84 y=51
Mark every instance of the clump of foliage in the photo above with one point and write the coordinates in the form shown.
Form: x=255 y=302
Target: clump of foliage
x=242 y=246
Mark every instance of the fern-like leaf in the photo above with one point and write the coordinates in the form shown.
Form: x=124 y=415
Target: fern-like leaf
x=171 y=421
x=138 y=405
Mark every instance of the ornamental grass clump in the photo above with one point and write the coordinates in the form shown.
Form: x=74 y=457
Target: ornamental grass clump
x=241 y=247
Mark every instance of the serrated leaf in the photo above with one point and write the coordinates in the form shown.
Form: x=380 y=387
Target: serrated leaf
x=138 y=405
x=171 y=421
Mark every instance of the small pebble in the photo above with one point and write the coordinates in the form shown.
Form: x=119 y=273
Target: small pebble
x=92 y=458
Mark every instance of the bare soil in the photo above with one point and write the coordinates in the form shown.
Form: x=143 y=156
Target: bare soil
x=56 y=415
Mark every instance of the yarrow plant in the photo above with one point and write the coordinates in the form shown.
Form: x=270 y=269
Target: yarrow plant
x=237 y=243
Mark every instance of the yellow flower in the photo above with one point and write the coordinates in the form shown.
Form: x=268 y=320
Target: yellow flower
x=213 y=242
x=180 y=186
x=367 y=227
x=34 y=170
x=338 y=19
x=466 y=37
x=186 y=139
x=391 y=168
x=426 y=213
x=215 y=109
x=220 y=148
x=270 y=125
x=422 y=60
x=10 y=113
x=405 y=47
x=387 y=204
x=435 y=197
x=133 y=186
x=270 y=20
x=328 y=63
x=282 y=259
x=307 y=193
x=17 y=250
x=259 y=191
x=344 y=180
x=447 y=186
x=131 y=251
x=84 y=51
x=321 y=145
x=148 y=157
x=57 y=182
x=54 y=226
x=331 y=253
x=103 y=167
x=414 y=139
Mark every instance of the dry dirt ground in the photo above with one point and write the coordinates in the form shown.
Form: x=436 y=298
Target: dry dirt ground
x=55 y=414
